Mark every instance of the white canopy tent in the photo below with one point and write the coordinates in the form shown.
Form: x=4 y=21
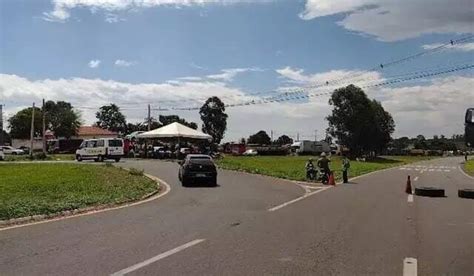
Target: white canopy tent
x=175 y=130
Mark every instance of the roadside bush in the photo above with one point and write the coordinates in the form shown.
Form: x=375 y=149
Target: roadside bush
x=134 y=171
x=40 y=156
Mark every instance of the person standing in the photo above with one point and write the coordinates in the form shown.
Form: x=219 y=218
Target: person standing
x=465 y=156
x=346 y=164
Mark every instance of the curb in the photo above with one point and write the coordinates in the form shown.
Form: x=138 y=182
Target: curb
x=39 y=219
x=465 y=173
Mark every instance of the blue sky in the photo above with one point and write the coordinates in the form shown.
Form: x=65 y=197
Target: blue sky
x=94 y=52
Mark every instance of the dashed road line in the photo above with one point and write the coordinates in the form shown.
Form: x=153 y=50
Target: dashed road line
x=410 y=198
x=410 y=267
x=415 y=179
x=157 y=258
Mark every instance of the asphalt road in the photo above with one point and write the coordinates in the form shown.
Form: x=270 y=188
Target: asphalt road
x=256 y=225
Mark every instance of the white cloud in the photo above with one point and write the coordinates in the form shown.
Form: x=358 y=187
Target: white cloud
x=62 y=8
x=94 y=63
x=391 y=20
x=124 y=63
x=229 y=74
x=436 y=107
x=465 y=47
x=334 y=77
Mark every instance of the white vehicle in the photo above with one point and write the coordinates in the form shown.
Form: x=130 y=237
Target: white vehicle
x=12 y=150
x=100 y=149
x=2 y=155
x=250 y=152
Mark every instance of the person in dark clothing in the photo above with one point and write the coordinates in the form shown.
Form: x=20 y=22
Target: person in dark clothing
x=309 y=169
x=323 y=164
x=345 y=167
x=465 y=156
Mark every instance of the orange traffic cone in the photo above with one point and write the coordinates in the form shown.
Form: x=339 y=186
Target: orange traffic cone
x=408 y=187
x=331 y=179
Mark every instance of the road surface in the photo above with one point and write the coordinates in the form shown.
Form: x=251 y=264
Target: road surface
x=257 y=225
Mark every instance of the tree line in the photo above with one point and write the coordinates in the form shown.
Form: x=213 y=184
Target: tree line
x=62 y=119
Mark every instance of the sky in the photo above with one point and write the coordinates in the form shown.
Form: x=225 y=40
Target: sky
x=174 y=54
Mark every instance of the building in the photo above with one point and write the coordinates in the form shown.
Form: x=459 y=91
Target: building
x=93 y=132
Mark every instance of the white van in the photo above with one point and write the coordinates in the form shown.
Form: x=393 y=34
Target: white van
x=100 y=149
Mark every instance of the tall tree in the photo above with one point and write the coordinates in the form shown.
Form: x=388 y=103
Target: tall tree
x=357 y=122
x=168 y=119
x=20 y=123
x=62 y=119
x=284 y=140
x=109 y=117
x=383 y=125
x=214 y=118
x=260 y=137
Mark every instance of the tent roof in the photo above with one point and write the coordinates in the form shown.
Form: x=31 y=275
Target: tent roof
x=175 y=130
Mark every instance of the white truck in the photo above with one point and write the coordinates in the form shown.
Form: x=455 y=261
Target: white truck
x=100 y=149
x=310 y=147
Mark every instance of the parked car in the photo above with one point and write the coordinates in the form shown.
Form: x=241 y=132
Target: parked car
x=100 y=149
x=197 y=167
x=11 y=150
x=26 y=150
x=161 y=152
x=250 y=152
x=2 y=155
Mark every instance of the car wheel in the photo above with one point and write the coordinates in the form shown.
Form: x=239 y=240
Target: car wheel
x=117 y=160
x=13 y=153
x=79 y=158
x=100 y=158
x=184 y=182
x=214 y=181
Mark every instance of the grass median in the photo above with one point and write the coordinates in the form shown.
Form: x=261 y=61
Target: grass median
x=469 y=167
x=45 y=188
x=292 y=167
x=49 y=157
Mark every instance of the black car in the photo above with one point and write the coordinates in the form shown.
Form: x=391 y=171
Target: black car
x=197 y=167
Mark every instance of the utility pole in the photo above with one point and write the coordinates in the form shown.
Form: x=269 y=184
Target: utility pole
x=149 y=117
x=44 y=128
x=297 y=136
x=149 y=128
x=271 y=134
x=32 y=130
x=1 y=125
x=315 y=135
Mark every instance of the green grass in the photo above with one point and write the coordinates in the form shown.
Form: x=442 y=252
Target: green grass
x=50 y=157
x=469 y=166
x=292 y=167
x=45 y=188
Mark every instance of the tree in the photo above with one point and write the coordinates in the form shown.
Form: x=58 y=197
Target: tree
x=383 y=125
x=62 y=119
x=242 y=141
x=20 y=123
x=214 y=118
x=169 y=119
x=260 y=137
x=109 y=117
x=358 y=123
x=420 y=142
x=284 y=140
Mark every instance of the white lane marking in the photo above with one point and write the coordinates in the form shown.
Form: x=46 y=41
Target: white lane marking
x=410 y=267
x=463 y=172
x=297 y=199
x=447 y=170
x=410 y=198
x=157 y=258
x=416 y=179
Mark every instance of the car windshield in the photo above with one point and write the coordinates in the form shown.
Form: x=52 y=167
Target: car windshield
x=200 y=158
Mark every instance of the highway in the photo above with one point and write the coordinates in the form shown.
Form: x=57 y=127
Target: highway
x=257 y=225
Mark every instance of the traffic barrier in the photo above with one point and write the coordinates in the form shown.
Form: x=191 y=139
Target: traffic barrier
x=429 y=191
x=408 y=189
x=331 y=179
x=466 y=193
